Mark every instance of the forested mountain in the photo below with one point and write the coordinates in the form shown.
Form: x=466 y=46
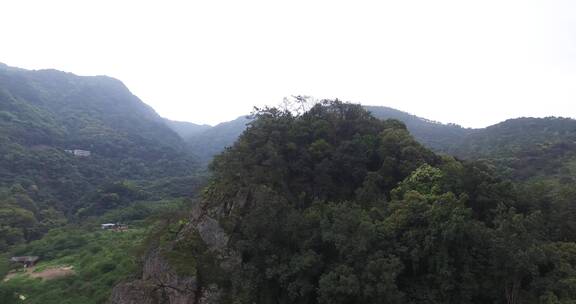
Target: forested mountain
x=186 y=129
x=336 y=206
x=434 y=135
x=522 y=148
x=525 y=147
x=213 y=140
x=69 y=143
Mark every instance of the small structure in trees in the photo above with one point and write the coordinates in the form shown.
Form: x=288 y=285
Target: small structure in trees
x=79 y=153
x=114 y=227
x=26 y=261
x=108 y=226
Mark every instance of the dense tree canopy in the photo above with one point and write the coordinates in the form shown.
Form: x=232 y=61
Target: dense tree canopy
x=335 y=206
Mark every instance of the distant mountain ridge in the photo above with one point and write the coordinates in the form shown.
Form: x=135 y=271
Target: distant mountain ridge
x=437 y=136
x=523 y=147
x=186 y=129
x=526 y=148
x=79 y=103
x=213 y=140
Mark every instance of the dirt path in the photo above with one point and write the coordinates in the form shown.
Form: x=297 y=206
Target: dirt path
x=53 y=273
x=46 y=274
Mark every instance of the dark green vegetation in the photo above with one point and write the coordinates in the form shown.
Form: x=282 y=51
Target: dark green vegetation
x=335 y=206
x=133 y=154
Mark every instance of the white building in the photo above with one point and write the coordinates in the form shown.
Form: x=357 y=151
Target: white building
x=108 y=226
x=79 y=153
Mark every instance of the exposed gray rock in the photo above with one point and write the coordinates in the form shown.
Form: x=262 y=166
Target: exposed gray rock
x=159 y=284
x=212 y=234
x=136 y=292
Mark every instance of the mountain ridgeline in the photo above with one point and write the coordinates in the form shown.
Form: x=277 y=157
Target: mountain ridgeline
x=336 y=206
x=522 y=149
x=526 y=148
x=434 y=135
x=186 y=129
x=339 y=204
x=204 y=141
x=208 y=142
x=76 y=146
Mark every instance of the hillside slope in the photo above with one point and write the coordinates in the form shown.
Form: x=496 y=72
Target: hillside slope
x=186 y=129
x=68 y=142
x=525 y=148
x=208 y=143
x=434 y=135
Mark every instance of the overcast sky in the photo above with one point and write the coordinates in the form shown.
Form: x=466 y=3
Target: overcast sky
x=474 y=63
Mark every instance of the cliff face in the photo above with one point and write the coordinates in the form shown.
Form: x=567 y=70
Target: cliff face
x=162 y=280
x=159 y=284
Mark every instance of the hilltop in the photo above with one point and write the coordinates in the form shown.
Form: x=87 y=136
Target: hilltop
x=337 y=206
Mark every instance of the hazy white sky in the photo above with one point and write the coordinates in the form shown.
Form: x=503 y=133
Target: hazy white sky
x=469 y=62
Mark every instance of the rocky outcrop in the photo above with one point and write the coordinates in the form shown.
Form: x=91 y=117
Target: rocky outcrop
x=136 y=292
x=160 y=283
x=203 y=222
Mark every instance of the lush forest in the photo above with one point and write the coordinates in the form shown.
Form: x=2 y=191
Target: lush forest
x=45 y=117
x=337 y=204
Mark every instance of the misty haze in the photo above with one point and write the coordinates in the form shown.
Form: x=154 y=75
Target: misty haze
x=306 y=152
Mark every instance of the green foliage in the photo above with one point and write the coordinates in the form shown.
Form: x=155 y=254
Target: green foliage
x=324 y=154
x=140 y=211
x=100 y=259
x=4 y=265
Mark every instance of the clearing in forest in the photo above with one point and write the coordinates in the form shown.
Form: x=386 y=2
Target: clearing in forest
x=46 y=274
